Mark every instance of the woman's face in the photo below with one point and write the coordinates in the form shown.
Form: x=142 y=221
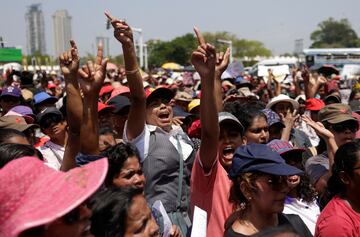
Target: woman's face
x=130 y=174
x=282 y=108
x=258 y=132
x=355 y=179
x=76 y=223
x=140 y=222
x=270 y=194
x=229 y=140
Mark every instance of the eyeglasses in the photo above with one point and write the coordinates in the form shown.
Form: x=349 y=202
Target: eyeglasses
x=50 y=120
x=342 y=127
x=356 y=168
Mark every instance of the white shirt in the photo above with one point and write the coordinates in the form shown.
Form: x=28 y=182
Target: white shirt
x=308 y=130
x=142 y=141
x=53 y=154
x=308 y=212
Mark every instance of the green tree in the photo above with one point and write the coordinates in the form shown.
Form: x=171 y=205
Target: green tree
x=249 y=48
x=41 y=59
x=241 y=47
x=86 y=58
x=118 y=60
x=334 y=34
x=177 y=50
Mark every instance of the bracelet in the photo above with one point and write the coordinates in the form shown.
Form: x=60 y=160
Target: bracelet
x=132 y=71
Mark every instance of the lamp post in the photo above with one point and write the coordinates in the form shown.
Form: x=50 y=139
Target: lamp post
x=229 y=43
x=145 y=57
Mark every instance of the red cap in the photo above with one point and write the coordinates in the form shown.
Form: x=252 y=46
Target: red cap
x=106 y=89
x=102 y=107
x=119 y=91
x=314 y=104
x=51 y=86
x=195 y=129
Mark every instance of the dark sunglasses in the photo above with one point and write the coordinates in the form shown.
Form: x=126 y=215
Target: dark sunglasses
x=342 y=127
x=276 y=181
x=50 y=120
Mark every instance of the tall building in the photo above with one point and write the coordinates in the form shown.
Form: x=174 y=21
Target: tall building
x=35 y=30
x=105 y=42
x=62 y=31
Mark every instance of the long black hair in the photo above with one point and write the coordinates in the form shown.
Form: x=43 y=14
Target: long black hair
x=245 y=113
x=110 y=210
x=345 y=159
x=10 y=151
x=7 y=133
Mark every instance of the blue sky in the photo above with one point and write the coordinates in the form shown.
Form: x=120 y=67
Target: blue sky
x=276 y=23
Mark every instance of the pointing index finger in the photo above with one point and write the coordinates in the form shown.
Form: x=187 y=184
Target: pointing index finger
x=99 y=55
x=199 y=36
x=107 y=14
x=73 y=44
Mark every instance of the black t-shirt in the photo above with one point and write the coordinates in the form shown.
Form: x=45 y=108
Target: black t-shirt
x=287 y=222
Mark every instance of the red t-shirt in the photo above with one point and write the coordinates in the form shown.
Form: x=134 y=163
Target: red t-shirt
x=210 y=192
x=338 y=219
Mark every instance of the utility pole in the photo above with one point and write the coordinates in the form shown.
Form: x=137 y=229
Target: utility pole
x=299 y=46
x=146 y=57
x=2 y=43
x=229 y=43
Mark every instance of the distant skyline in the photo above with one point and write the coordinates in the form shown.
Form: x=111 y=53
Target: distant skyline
x=276 y=23
x=35 y=29
x=62 y=31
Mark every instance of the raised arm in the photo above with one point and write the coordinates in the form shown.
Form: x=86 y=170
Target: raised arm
x=331 y=146
x=204 y=60
x=270 y=82
x=137 y=114
x=294 y=73
x=222 y=62
x=91 y=78
x=326 y=135
x=69 y=65
x=288 y=120
x=312 y=83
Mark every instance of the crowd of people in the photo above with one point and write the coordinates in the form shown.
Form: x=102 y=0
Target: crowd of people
x=92 y=150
